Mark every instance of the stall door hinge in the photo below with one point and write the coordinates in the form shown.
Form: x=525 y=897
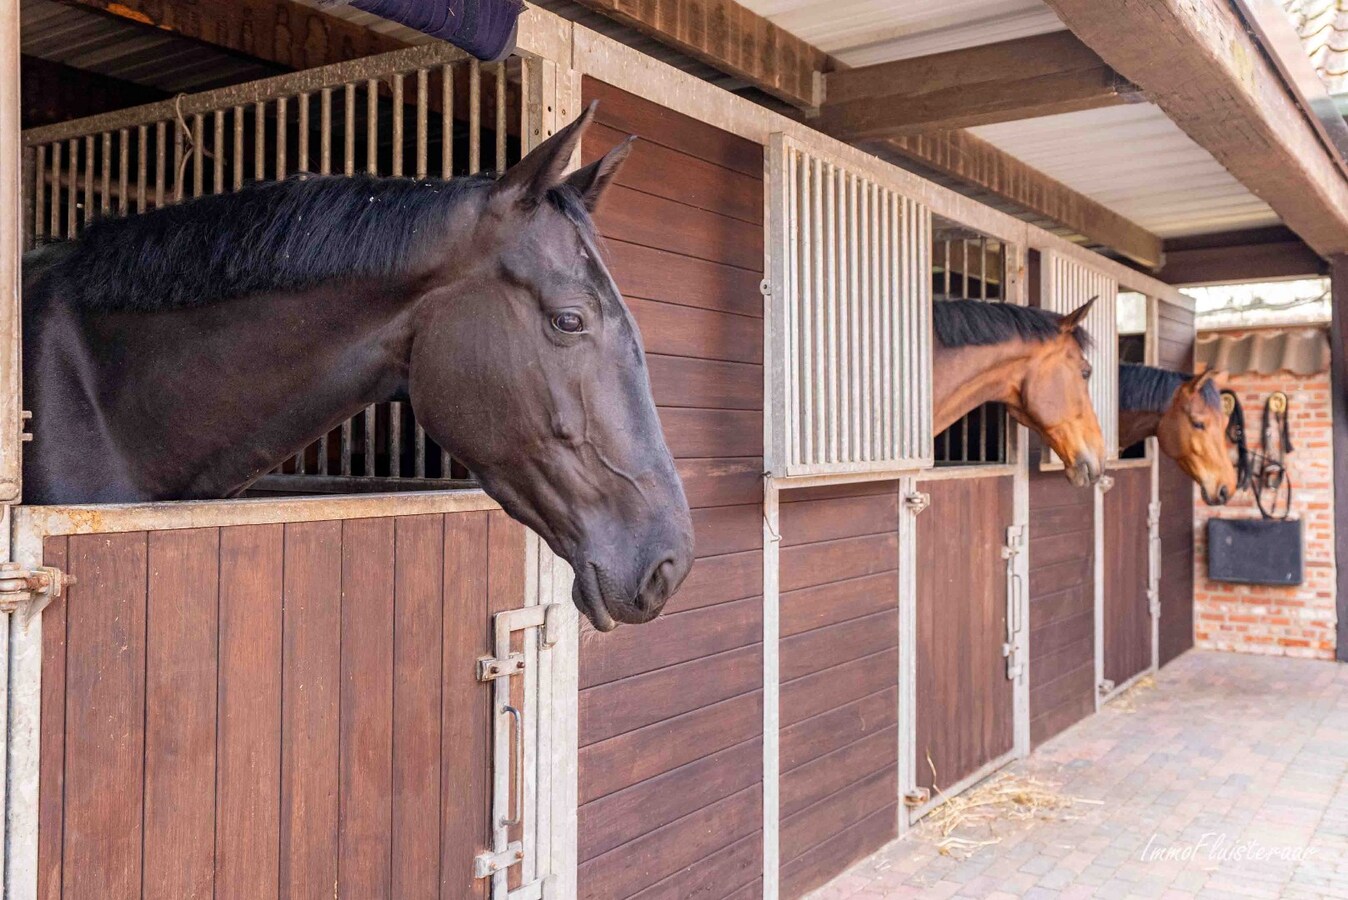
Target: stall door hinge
x=917 y=797
x=1154 y=603
x=916 y=501
x=1154 y=514
x=1105 y=687
x=31 y=589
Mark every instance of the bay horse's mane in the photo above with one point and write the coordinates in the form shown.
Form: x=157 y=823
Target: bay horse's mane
x=1149 y=389
x=975 y=323
x=285 y=235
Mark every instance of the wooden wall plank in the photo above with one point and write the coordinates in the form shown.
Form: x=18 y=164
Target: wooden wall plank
x=52 y=746
x=248 y=776
x=366 y=725
x=670 y=225
x=806 y=609
x=649 y=273
x=816 y=866
x=418 y=608
x=465 y=740
x=105 y=708
x=310 y=707
x=702 y=334
x=835 y=729
x=182 y=635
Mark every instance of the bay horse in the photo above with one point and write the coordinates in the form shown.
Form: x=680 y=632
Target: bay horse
x=1031 y=360
x=184 y=352
x=1185 y=414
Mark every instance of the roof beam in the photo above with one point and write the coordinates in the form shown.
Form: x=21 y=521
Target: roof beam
x=1195 y=59
x=972 y=160
x=729 y=37
x=1257 y=254
x=277 y=31
x=1002 y=82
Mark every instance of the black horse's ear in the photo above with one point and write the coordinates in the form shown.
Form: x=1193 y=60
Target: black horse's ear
x=593 y=179
x=1070 y=322
x=532 y=177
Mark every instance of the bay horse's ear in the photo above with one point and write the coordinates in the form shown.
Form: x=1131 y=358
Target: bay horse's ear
x=1196 y=383
x=1072 y=321
x=532 y=177
x=594 y=178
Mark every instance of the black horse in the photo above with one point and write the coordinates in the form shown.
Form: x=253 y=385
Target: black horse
x=183 y=353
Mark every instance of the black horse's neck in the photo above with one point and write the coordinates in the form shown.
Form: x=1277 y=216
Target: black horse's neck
x=198 y=402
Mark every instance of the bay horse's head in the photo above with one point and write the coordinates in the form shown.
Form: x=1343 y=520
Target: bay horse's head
x=1192 y=432
x=528 y=367
x=1053 y=398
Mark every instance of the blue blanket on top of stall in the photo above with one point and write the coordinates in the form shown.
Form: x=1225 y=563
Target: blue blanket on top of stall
x=484 y=28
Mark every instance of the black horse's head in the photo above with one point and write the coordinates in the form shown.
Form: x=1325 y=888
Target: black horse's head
x=528 y=366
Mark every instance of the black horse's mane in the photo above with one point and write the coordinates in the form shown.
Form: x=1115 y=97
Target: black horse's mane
x=974 y=323
x=1149 y=389
x=270 y=236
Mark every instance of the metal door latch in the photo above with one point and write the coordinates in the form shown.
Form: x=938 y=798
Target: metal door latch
x=917 y=797
x=490 y=668
x=1154 y=603
x=1106 y=483
x=32 y=589
x=917 y=501
x=486 y=865
x=1105 y=687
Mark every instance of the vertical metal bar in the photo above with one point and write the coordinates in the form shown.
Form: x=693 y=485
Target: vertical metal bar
x=819 y=453
x=831 y=303
x=501 y=116
x=423 y=85
x=349 y=131
x=280 y=139
x=369 y=441
x=325 y=131
x=945 y=268
x=88 y=180
x=142 y=154
x=372 y=126
x=302 y=138
x=238 y=146
x=397 y=80
x=447 y=142
x=260 y=141
x=888 y=347
x=218 y=151
x=982 y=268
x=105 y=182
x=179 y=140
x=346 y=436
x=198 y=155
x=123 y=169
x=809 y=298
x=39 y=189
x=395 y=439
x=73 y=192
x=57 y=180
x=474 y=116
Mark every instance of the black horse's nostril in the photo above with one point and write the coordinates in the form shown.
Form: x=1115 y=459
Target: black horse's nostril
x=655 y=591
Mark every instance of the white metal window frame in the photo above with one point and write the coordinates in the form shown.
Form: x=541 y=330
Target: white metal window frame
x=848 y=306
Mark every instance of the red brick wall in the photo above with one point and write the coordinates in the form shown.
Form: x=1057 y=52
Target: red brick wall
x=1281 y=621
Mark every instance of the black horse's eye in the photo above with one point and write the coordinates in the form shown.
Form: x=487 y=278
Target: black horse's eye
x=568 y=323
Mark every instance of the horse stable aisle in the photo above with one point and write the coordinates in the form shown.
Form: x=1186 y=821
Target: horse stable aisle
x=1224 y=755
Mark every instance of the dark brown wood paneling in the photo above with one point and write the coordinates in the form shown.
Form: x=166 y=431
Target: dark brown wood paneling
x=1062 y=603
x=1127 y=614
x=965 y=715
x=180 y=697
x=685 y=245
x=816 y=866
x=1338 y=337
x=1176 y=345
x=279 y=709
x=839 y=664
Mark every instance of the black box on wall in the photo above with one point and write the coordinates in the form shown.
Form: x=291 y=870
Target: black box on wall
x=1255 y=551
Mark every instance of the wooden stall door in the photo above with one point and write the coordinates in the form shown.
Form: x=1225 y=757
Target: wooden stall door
x=286 y=710
x=671 y=713
x=839 y=678
x=1127 y=609
x=1062 y=603
x=965 y=701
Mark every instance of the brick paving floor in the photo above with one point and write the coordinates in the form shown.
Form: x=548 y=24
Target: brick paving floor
x=1225 y=753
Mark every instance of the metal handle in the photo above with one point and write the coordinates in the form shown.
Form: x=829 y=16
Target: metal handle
x=517 y=807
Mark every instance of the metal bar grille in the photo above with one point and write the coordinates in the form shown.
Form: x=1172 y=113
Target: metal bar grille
x=1068 y=283
x=850 y=320
x=382 y=115
x=967 y=265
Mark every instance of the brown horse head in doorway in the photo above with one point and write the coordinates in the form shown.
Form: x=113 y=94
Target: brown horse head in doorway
x=1185 y=414
x=184 y=352
x=1031 y=360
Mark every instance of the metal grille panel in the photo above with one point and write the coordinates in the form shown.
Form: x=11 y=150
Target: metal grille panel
x=1068 y=283
x=849 y=346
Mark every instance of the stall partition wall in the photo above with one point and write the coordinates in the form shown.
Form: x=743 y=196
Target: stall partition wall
x=1175 y=350
x=671 y=713
x=839 y=677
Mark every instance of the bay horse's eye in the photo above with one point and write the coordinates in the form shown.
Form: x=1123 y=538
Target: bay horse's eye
x=568 y=323
x=1086 y=374
x=1198 y=426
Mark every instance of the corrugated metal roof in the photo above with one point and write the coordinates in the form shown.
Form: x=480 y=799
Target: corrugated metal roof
x=1300 y=351
x=1137 y=162
x=862 y=32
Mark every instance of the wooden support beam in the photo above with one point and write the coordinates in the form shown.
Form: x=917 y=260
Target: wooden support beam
x=53 y=92
x=1002 y=82
x=277 y=31
x=1197 y=61
x=1257 y=254
x=729 y=37
x=1338 y=337
x=972 y=160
